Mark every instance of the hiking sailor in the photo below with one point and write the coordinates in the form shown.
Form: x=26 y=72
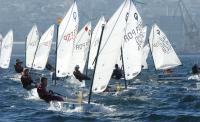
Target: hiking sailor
x=18 y=66
x=78 y=75
x=195 y=70
x=47 y=96
x=117 y=73
x=27 y=81
x=195 y=73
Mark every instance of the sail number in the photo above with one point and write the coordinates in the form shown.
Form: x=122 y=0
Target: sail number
x=136 y=33
x=70 y=36
x=82 y=46
x=164 y=44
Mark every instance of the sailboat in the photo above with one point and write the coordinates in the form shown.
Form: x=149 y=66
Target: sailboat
x=31 y=46
x=67 y=32
x=42 y=52
x=95 y=42
x=81 y=48
x=6 y=50
x=164 y=56
x=112 y=40
x=133 y=43
x=80 y=53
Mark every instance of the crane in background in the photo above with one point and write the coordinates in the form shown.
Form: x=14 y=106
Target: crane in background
x=191 y=29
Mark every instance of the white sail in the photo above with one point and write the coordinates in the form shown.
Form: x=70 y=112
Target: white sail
x=145 y=54
x=81 y=48
x=95 y=42
x=134 y=39
x=31 y=45
x=6 y=50
x=110 y=48
x=43 y=50
x=1 y=39
x=66 y=37
x=163 y=53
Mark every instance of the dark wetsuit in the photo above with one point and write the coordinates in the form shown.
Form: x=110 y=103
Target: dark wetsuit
x=195 y=69
x=47 y=96
x=27 y=82
x=80 y=76
x=117 y=74
x=18 y=68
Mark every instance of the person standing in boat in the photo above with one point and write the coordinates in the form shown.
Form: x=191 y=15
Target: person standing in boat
x=18 y=66
x=27 y=81
x=78 y=75
x=47 y=96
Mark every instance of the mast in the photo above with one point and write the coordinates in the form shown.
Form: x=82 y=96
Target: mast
x=59 y=20
x=126 y=19
x=88 y=58
x=35 y=54
x=25 y=51
x=125 y=82
x=98 y=50
x=151 y=49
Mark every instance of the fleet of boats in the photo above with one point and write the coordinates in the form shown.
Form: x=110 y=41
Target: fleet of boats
x=121 y=39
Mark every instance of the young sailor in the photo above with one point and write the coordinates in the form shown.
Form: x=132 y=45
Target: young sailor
x=195 y=73
x=117 y=72
x=195 y=70
x=18 y=66
x=78 y=75
x=27 y=81
x=47 y=96
x=168 y=71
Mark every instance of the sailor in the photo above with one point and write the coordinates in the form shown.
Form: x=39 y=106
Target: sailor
x=27 y=81
x=117 y=73
x=18 y=66
x=167 y=71
x=195 y=70
x=78 y=75
x=47 y=96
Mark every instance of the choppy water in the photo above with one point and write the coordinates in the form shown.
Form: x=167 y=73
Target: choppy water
x=149 y=101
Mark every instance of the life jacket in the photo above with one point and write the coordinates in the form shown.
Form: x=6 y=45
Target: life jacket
x=26 y=80
x=117 y=74
x=46 y=96
x=18 y=68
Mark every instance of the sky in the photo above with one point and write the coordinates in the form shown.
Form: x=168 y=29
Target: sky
x=20 y=15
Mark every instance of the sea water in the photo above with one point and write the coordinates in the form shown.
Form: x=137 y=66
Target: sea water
x=146 y=100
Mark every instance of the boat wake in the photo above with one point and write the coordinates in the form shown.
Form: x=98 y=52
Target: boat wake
x=32 y=95
x=70 y=107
